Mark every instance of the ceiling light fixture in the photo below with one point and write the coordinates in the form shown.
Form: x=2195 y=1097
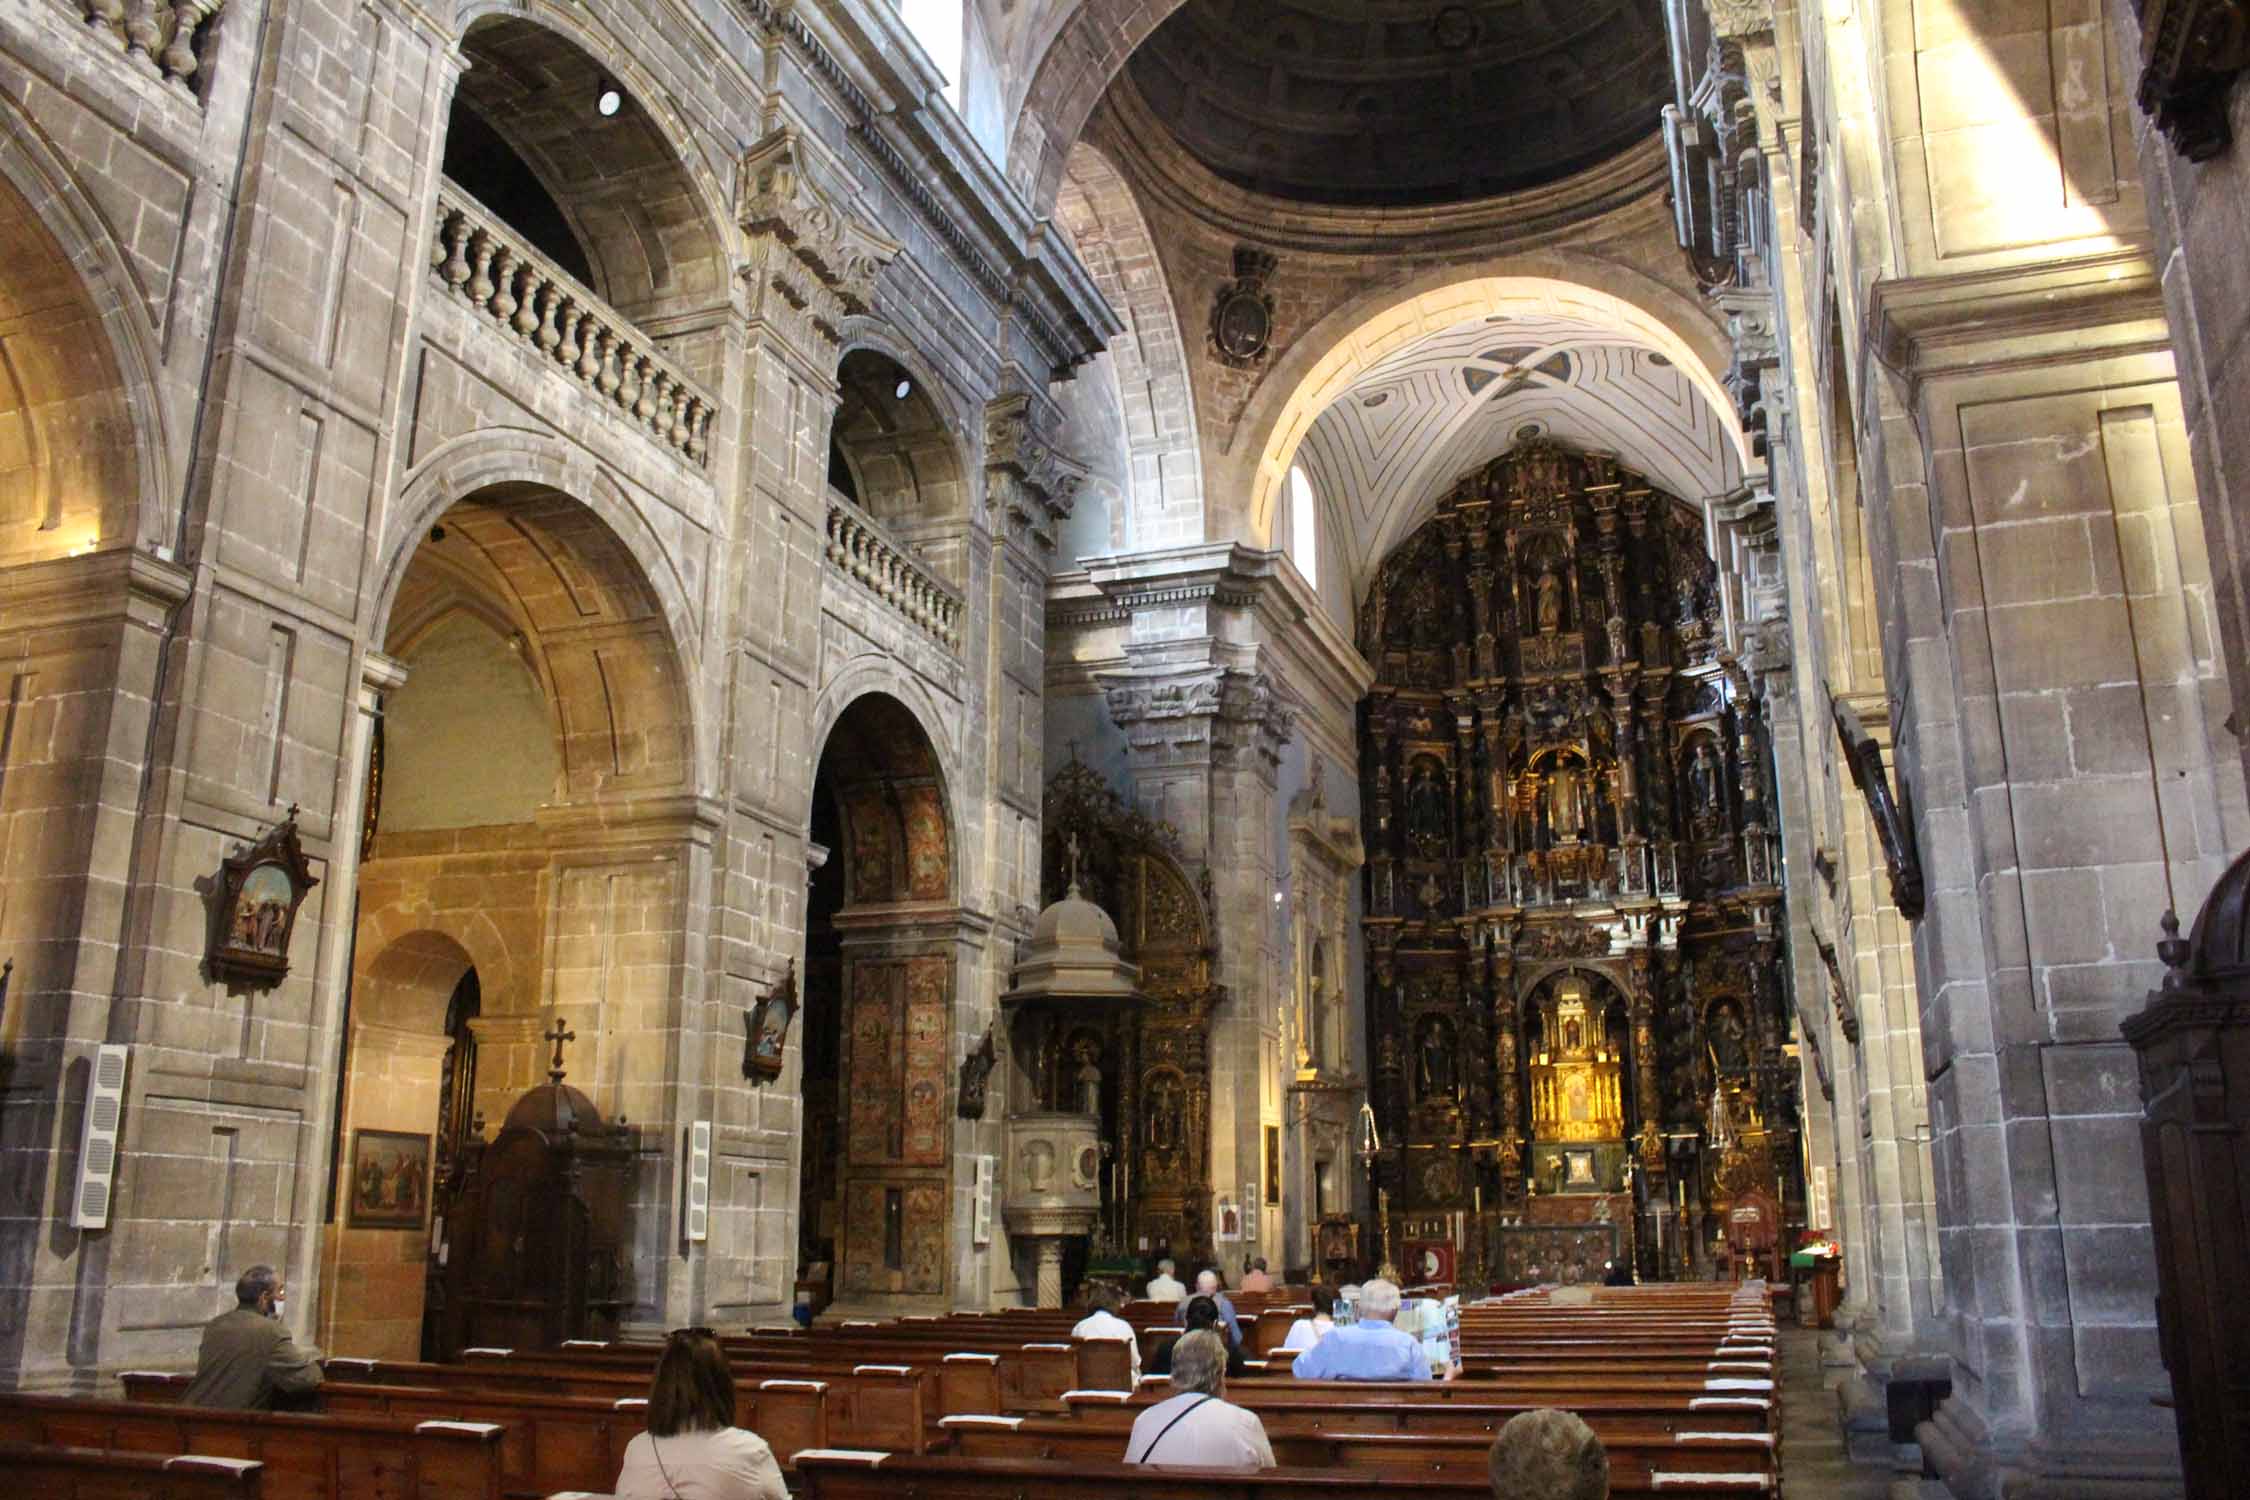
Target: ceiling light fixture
x=608 y=99
x=905 y=388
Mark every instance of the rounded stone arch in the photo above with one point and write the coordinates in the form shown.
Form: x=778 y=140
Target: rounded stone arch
x=1068 y=79
x=879 y=803
x=414 y=949
x=596 y=539
x=873 y=672
x=64 y=227
x=683 y=216
x=1322 y=365
x=523 y=455
x=911 y=460
x=1096 y=204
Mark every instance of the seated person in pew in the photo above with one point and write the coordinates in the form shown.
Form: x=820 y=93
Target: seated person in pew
x=1257 y=1278
x=1193 y=1426
x=692 y=1450
x=1548 y=1455
x=1200 y=1313
x=1164 y=1286
x=1370 y=1349
x=1306 y=1332
x=248 y=1362
x=1104 y=1323
x=1207 y=1285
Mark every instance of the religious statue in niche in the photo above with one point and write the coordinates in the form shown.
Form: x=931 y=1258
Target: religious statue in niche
x=1706 y=788
x=1088 y=1079
x=1549 y=597
x=1426 y=800
x=767 y=1027
x=1164 y=1106
x=1729 y=1054
x=1566 y=802
x=259 y=891
x=1434 y=1068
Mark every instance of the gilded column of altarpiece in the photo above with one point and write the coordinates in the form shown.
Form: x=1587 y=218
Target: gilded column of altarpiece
x=1573 y=913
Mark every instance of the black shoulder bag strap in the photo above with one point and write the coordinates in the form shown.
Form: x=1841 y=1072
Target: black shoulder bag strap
x=1167 y=1432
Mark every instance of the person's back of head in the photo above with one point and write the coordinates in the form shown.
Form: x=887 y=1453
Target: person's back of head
x=1102 y=1297
x=1323 y=1301
x=251 y=1286
x=1200 y=1312
x=1379 y=1301
x=1165 y=1267
x=1548 y=1455
x=693 y=1390
x=1259 y=1264
x=1207 y=1282
x=1199 y=1363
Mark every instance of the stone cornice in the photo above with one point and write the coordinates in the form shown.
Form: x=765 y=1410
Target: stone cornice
x=119 y=583
x=1631 y=181
x=2055 y=312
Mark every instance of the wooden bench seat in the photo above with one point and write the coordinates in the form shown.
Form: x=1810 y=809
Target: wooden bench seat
x=1345 y=1410
x=305 y=1457
x=877 y=1476
x=61 y=1473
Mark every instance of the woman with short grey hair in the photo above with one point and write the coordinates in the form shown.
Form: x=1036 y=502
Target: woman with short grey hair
x=1548 y=1455
x=1193 y=1426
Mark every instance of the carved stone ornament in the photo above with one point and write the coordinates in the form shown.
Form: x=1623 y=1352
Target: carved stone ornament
x=767 y=1025
x=1242 y=313
x=260 y=889
x=1897 y=835
x=809 y=261
x=1027 y=479
x=2191 y=51
x=976 y=1074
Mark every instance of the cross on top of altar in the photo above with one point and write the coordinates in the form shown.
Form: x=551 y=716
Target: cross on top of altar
x=558 y=1034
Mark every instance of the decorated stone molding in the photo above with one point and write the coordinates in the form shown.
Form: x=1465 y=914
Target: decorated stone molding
x=2191 y=51
x=1028 y=480
x=477 y=258
x=810 y=263
x=1228 y=708
x=1242 y=311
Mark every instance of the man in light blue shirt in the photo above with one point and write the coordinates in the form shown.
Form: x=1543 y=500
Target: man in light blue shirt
x=1370 y=1349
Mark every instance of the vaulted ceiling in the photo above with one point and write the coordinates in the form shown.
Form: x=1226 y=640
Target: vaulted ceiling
x=1383 y=454
x=1393 y=102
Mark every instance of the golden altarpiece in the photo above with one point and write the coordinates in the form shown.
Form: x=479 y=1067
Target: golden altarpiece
x=1573 y=915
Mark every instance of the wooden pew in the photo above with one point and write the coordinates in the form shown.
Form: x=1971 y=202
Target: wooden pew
x=1354 y=1409
x=108 y=1474
x=1635 y=1460
x=305 y=1457
x=846 y=1475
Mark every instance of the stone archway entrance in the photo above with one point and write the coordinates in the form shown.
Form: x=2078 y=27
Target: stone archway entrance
x=877 y=1177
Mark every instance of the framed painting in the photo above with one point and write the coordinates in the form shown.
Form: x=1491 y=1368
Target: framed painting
x=390 y=1179
x=259 y=891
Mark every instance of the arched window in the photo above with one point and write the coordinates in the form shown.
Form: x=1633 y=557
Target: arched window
x=939 y=26
x=1304 y=546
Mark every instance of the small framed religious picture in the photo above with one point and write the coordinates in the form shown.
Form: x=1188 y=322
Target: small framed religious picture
x=1273 y=1163
x=1230 y=1220
x=390 y=1179
x=260 y=889
x=768 y=1023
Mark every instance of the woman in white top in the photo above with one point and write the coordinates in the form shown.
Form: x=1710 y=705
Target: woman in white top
x=1306 y=1332
x=692 y=1449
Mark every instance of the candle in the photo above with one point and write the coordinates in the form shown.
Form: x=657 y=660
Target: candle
x=1480 y=1197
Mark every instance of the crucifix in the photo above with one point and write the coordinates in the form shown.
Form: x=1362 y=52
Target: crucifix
x=1072 y=847
x=557 y=1034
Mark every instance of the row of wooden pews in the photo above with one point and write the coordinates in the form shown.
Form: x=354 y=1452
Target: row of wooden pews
x=1677 y=1380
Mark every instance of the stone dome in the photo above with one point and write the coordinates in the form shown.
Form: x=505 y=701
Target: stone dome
x=2219 y=945
x=1073 y=955
x=555 y=1109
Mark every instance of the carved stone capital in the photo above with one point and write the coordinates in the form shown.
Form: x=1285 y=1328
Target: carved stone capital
x=1226 y=709
x=1028 y=479
x=1740 y=18
x=809 y=262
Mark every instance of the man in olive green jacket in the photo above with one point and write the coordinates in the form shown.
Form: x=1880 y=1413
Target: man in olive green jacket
x=248 y=1357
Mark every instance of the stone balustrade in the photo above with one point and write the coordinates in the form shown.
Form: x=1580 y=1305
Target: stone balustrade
x=860 y=547
x=161 y=37
x=478 y=259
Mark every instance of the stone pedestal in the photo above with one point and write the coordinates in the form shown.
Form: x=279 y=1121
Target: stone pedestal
x=1053 y=1188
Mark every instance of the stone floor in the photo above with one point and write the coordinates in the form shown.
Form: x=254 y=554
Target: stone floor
x=1814 y=1465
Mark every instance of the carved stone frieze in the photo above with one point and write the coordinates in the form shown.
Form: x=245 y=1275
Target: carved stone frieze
x=1228 y=708
x=809 y=262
